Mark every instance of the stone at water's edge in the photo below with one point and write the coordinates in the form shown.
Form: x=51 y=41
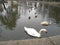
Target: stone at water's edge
x=55 y=40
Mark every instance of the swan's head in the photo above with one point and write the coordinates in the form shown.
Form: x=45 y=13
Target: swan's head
x=43 y=30
x=45 y=23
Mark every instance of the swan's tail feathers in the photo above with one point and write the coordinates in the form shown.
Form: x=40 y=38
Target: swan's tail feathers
x=25 y=28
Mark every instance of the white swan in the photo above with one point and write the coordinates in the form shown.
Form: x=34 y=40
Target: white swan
x=45 y=23
x=33 y=32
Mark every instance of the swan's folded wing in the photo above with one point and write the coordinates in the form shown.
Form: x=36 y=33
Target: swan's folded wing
x=32 y=32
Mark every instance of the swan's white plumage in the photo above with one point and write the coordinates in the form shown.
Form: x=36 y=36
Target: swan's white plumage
x=45 y=23
x=32 y=32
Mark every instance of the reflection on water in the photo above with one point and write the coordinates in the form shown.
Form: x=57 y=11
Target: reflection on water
x=56 y=14
x=30 y=14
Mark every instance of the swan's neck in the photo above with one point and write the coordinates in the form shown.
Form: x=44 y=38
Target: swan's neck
x=40 y=33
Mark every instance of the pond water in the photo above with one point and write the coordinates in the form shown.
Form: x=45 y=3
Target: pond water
x=29 y=14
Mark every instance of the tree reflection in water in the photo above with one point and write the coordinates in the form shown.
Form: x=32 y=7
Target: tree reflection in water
x=10 y=19
x=55 y=13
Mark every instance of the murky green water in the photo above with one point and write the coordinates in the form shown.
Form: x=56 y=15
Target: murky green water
x=29 y=14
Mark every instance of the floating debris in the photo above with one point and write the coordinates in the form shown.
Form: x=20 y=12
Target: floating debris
x=36 y=16
x=29 y=17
